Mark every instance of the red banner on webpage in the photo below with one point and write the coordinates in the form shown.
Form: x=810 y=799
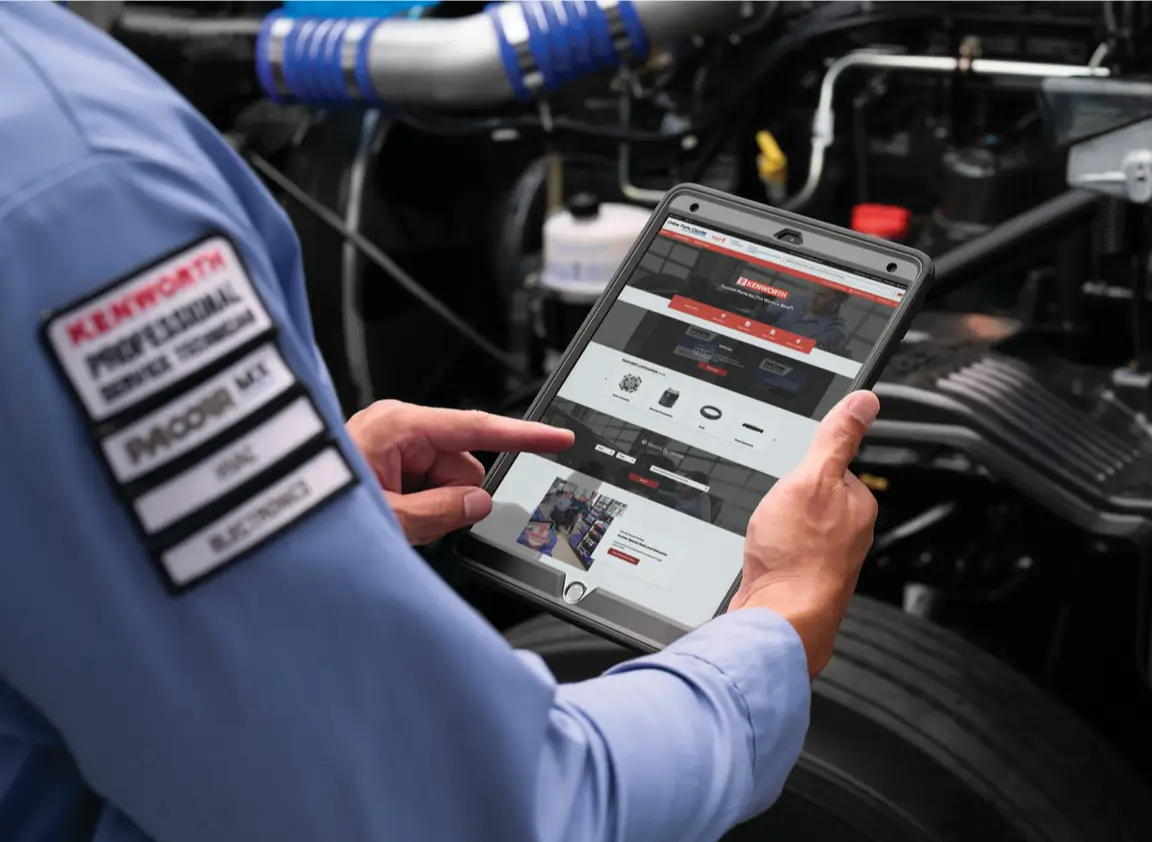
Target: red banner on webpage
x=742 y=324
x=786 y=270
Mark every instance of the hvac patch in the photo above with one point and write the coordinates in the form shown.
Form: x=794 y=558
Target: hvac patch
x=213 y=443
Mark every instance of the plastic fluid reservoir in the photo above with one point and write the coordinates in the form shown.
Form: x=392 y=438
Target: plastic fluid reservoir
x=584 y=245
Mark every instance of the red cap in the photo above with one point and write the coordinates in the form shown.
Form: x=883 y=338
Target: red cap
x=889 y=222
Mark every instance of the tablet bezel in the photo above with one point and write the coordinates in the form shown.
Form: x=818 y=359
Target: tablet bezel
x=603 y=613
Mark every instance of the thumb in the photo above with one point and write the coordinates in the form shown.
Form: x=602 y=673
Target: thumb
x=839 y=435
x=427 y=515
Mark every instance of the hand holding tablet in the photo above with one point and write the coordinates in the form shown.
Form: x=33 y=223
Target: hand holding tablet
x=696 y=386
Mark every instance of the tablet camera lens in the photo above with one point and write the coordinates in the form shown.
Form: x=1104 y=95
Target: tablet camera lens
x=695 y=206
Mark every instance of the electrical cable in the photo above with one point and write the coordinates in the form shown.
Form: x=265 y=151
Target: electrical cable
x=524 y=198
x=382 y=260
x=824 y=21
x=828 y=19
x=1111 y=27
x=776 y=52
x=464 y=127
x=769 y=12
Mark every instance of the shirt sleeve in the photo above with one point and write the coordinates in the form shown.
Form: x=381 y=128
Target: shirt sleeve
x=326 y=684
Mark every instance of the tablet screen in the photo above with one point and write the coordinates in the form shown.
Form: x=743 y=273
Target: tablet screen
x=700 y=387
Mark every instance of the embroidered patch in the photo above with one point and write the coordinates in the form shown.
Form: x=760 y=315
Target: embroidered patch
x=213 y=443
x=258 y=519
x=163 y=324
x=195 y=417
x=230 y=467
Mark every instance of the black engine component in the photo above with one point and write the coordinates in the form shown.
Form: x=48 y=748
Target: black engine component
x=1051 y=428
x=983 y=187
x=1016 y=499
x=1020 y=237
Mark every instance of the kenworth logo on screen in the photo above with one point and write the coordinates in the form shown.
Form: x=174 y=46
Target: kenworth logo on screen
x=767 y=289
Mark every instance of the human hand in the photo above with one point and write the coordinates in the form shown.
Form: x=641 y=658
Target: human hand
x=808 y=537
x=420 y=456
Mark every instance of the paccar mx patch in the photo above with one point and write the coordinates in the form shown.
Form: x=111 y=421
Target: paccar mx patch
x=234 y=464
x=213 y=443
x=198 y=415
x=151 y=330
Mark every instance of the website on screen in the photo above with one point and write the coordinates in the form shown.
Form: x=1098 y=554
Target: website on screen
x=702 y=385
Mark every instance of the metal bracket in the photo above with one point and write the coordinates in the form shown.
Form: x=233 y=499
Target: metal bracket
x=1117 y=164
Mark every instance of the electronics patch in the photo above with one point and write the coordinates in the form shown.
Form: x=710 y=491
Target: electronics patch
x=213 y=443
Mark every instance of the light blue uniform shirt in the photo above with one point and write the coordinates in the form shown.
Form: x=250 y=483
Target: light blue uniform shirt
x=328 y=686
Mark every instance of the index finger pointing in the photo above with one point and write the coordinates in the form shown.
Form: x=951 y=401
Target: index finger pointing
x=839 y=435
x=453 y=430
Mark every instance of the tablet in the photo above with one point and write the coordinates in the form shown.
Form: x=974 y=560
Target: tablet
x=696 y=382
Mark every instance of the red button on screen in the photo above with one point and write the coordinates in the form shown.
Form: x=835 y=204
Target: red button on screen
x=631 y=559
x=647 y=481
x=711 y=369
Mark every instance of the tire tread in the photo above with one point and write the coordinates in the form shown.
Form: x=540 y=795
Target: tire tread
x=1043 y=769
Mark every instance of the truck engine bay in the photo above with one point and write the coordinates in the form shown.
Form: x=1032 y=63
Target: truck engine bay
x=425 y=153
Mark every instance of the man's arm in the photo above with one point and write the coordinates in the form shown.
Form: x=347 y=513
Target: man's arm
x=315 y=680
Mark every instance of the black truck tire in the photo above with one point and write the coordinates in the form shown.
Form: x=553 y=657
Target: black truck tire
x=918 y=735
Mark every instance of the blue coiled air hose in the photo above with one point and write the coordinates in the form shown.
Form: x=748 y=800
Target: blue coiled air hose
x=542 y=45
